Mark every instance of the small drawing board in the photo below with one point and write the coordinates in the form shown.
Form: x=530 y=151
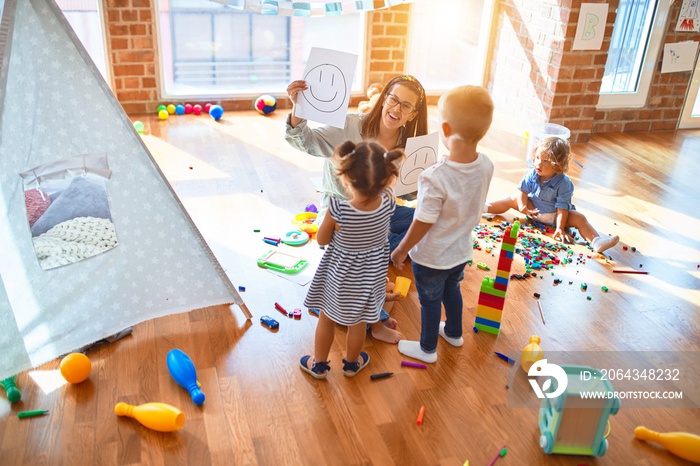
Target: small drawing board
x=281 y=262
x=421 y=152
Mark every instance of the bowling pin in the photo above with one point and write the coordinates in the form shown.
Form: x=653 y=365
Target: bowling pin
x=531 y=353
x=183 y=371
x=13 y=393
x=682 y=444
x=157 y=416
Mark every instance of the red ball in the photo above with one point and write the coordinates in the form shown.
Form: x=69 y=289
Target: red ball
x=188 y=108
x=207 y=106
x=197 y=109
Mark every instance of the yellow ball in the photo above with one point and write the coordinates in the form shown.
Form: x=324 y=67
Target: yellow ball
x=75 y=367
x=171 y=109
x=163 y=114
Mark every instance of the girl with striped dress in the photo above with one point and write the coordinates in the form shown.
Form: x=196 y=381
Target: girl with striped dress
x=350 y=283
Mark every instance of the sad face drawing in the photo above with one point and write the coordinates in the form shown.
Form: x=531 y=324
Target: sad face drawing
x=327 y=88
x=416 y=162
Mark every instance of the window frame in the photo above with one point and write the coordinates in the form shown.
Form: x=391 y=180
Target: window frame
x=638 y=99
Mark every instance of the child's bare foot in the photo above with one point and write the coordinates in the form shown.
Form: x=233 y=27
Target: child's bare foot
x=391 y=323
x=386 y=334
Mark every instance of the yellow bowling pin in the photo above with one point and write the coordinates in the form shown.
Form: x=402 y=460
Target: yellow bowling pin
x=157 y=416
x=682 y=444
x=531 y=353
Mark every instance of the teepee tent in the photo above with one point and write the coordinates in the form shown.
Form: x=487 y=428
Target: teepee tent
x=55 y=105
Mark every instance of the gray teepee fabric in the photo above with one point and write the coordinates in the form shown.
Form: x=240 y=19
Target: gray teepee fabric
x=54 y=104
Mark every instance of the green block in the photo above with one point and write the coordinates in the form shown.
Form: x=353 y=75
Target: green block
x=493 y=291
x=485 y=328
x=508 y=247
x=515 y=228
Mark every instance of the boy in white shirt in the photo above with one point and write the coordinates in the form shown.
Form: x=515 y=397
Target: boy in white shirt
x=451 y=197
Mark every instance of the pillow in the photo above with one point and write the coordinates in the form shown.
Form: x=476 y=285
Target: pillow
x=82 y=198
x=36 y=202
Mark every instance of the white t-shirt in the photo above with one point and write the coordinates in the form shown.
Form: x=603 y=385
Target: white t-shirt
x=451 y=196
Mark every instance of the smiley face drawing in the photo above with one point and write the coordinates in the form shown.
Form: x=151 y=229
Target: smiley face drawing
x=327 y=88
x=416 y=162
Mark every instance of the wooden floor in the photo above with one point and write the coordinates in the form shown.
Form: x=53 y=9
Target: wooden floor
x=238 y=175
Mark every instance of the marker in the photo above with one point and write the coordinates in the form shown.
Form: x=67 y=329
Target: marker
x=577 y=162
x=38 y=412
x=503 y=452
x=279 y=307
x=421 y=413
x=413 y=364
x=383 y=375
x=276 y=240
x=504 y=357
x=640 y=272
x=268 y=241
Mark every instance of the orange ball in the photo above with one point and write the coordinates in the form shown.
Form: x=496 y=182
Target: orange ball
x=75 y=367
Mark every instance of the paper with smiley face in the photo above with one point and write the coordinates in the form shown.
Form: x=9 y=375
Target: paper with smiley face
x=421 y=152
x=329 y=75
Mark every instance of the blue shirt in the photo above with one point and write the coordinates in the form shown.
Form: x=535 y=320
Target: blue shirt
x=548 y=196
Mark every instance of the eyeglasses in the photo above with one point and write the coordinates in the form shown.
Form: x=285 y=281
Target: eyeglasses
x=393 y=101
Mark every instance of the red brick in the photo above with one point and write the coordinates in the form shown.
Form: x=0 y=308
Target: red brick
x=664 y=125
x=129 y=15
x=128 y=70
x=145 y=16
x=119 y=30
x=635 y=126
x=138 y=29
x=120 y=43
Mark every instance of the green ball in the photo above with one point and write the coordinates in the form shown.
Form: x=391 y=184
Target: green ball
x=161 y=107
x=138 y=126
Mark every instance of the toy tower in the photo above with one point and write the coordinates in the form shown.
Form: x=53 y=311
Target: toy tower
x=492 y=296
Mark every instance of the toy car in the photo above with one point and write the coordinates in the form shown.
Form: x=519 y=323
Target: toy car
x=269 y=322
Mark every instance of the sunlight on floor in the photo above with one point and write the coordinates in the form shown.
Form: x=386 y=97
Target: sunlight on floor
x=49 y=380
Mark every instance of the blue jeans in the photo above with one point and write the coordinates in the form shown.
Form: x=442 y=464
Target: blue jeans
x=400 y=221
x=437 y=287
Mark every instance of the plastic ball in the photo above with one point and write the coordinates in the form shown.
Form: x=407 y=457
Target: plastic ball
x=180 y=109
x=207 y=107
x=197 y=109
x=171 y=109
x=161 y=107
x=188 y=108
x=216 y=111
x=75 y=367
x=265 y=104
x=311 y=208
x=163 y=114
x=138 y=126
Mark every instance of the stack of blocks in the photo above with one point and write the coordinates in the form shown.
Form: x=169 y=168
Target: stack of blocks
x=492 y=296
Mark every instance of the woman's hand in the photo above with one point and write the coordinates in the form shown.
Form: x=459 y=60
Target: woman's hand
x=294 y=88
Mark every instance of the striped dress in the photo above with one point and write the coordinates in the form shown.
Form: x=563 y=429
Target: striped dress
x=350 y=282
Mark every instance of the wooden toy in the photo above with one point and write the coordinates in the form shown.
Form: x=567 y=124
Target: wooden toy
x=157 y=416
x=567 y=429
x=183 y=371
x=682 y=444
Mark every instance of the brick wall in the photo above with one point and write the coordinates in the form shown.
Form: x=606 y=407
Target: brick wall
x=387 y=38
x=132 y=49
x=535 y=76
x=666 y=96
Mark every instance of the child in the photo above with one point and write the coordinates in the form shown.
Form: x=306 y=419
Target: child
x=349 y=286
x=545 y=195
x=450 y=195
x=373 y=92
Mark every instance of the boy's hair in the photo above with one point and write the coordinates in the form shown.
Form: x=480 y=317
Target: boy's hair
x=367 y=166
x=416 y=127
x=468 y=110
x=558 y=152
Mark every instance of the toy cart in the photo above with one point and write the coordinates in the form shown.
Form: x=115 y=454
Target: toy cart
x=572 y=425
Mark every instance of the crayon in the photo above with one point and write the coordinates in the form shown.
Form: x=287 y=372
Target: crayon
x=640 y=272
x=414 y=364
x=577 y=162
x=504 y=357
x=421 y=413
x=276 y=240
x=541 y=313
x=274 y=243
x=383 y=375
x=279 y=307
x=38 y=412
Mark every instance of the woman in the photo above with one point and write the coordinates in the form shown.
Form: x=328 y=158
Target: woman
x=401 y=112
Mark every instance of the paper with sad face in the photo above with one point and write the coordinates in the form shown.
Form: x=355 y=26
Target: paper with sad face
x=329 y=75
x=421 y=152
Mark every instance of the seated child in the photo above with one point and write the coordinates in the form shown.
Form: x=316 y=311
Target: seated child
x=373 y=92
x=545 y=195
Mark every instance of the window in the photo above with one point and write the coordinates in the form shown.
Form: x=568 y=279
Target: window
x=448 y=42
x=85 y=17
x=634 y=47
x=208 y=49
